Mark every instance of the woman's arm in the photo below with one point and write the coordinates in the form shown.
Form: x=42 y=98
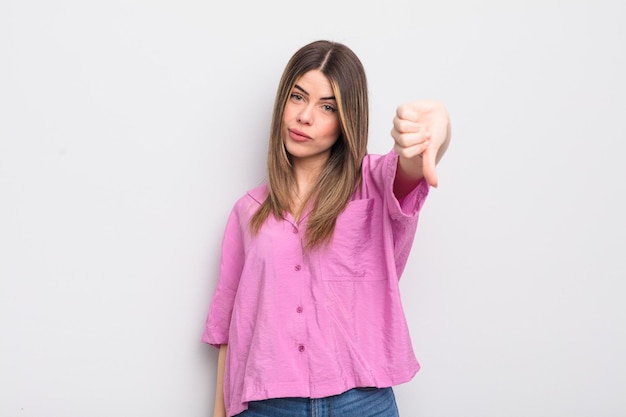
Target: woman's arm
x=421 y=131
x=220 y=410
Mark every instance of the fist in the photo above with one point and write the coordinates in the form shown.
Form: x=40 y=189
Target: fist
x=421 y=130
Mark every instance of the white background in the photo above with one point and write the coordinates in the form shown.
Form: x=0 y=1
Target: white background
x=128 y=128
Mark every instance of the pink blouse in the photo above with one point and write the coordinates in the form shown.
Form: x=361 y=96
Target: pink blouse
x=316 y=323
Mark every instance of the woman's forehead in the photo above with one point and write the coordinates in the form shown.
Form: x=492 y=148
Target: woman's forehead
x=315 y=83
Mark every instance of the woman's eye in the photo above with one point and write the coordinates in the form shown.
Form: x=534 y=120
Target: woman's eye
x=296 y=96
x=329 y=108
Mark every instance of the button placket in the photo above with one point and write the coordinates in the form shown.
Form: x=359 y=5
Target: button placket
x=298 y=268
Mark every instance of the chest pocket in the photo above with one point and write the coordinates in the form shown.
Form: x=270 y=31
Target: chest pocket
x=346 y=257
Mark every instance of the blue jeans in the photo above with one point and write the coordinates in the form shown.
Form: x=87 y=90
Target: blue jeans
x=357 y=402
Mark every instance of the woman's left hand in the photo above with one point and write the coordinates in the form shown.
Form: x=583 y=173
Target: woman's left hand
x=421 y=129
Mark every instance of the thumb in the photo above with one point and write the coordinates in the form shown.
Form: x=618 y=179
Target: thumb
x=429 y=163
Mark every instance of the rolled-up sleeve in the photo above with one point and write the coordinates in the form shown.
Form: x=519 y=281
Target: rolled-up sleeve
x=379 y=174
x=411 y=204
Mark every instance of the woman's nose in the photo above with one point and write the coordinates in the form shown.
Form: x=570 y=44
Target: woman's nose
x=306 y=116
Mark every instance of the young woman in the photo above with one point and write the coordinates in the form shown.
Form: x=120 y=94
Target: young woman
x=307 y=312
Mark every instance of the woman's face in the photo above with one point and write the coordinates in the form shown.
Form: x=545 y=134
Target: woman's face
x=311 y=119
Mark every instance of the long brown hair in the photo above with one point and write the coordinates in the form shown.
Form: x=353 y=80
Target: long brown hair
x=342 y=172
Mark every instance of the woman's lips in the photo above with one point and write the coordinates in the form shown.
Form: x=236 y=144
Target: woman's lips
x=298 y=136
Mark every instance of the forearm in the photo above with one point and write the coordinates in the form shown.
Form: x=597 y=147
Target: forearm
x=408 y=175
x=219 y=409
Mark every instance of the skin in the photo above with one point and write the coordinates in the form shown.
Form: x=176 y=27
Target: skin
x=421 y=131
x=219 y=408
x=421 y=134
x=310 y=128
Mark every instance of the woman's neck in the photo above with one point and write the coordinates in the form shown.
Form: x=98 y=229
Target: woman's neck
x=305 y=176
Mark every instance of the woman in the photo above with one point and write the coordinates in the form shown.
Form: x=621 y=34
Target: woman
x=307 y=312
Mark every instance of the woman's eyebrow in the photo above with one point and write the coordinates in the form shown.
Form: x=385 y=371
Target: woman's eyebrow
x=307 y=93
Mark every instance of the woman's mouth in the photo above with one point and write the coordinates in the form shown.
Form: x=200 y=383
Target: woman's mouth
x=298 y=136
